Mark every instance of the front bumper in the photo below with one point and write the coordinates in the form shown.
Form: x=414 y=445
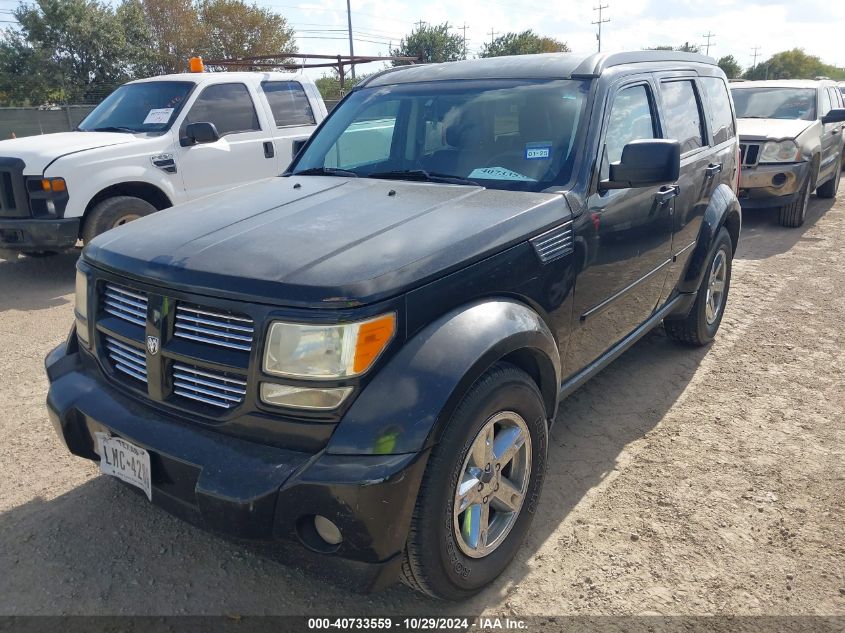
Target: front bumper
x=38 y=234
x=247 y=491
x=773 y=185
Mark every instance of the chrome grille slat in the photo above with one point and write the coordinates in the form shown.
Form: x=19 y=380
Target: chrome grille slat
x=207 y=386
x=220 y=329
x=554 y=243
x=129 y=305
x=127 y=359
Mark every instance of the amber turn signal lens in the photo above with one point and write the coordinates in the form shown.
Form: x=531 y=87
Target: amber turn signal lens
x=373 y=337
x=55 y=185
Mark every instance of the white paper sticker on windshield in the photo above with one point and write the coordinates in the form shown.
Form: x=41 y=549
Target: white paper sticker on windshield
x=158 y=115
x=498 y=173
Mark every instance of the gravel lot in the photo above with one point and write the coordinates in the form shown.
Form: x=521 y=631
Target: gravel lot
x=681 y=482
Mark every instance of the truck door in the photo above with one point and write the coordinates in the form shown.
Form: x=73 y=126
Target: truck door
x=244 y=151
x=831 y=136
x=627 y=238
x=291 y=115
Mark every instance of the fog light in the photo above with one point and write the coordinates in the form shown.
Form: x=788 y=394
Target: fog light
x=778 y=180
x=327 y=530
x=317 y=398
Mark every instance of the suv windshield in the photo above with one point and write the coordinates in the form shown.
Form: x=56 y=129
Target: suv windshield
x=775 y=103
x=148 y=106
x=502 y=134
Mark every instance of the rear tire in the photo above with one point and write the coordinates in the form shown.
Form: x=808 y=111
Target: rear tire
x=828 y=190
x=461 y=540
x=793 y=215
x=114 y=212
x=699 y=327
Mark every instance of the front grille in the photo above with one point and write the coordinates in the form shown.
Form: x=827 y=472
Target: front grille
x=7 y=193
x=127 y=359
x=129 y=305
x=207 y=386
x=222 y=329
x=749 y=154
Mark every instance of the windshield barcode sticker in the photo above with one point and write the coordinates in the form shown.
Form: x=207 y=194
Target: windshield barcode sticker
x=158 y=116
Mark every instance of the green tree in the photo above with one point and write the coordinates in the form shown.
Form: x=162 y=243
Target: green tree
x=234 y=29
x=72 y=50
x=731 y=67
x=793 y=64
x=524 y=43
x=430 y=43
x=686 y=47
x=176 y=33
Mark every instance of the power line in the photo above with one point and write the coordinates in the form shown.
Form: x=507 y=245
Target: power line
x=599 y=22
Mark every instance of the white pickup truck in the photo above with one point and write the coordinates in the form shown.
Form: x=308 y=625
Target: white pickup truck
x=151 y=144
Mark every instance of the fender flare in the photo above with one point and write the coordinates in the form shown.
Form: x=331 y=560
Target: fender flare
x=722 y=210
x=406 y=406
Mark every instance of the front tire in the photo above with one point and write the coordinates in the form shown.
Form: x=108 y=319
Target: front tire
x=828 y=190
x=114 y=212
x=480 y=489
x=793 y=215
x=699 y=327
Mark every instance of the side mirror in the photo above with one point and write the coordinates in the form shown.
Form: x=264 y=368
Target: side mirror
x=834 y=116
x=200 y=132
x=644 y=163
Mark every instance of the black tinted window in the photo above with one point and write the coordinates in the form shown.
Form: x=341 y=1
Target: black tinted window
x=288 y=102
x=720 y=115
x=683 y=114
x=228 y=106
x=631 y=119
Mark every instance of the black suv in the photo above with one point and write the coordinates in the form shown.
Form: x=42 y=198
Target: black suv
x=363 y=357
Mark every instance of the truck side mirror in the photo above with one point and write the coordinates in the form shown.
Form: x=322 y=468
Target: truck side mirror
x=645 y=162
x=298 y=144
x=836 y=115
x=199 y=132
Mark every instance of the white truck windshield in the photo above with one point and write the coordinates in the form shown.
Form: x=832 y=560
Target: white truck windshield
x=149 y=106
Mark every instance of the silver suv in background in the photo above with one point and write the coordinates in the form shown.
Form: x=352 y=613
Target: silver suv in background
x=791 y=144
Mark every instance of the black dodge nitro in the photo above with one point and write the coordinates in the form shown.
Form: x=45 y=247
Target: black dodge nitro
x=360 y=360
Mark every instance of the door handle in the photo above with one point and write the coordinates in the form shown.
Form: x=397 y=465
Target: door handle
x=713 y=169
x=269 y=150
x=666 y=194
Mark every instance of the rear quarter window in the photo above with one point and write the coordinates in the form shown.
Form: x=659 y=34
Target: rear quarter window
x=720 y=114
x=683 y=114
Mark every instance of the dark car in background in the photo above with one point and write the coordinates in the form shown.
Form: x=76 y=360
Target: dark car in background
x=792 y=144
x=362 y=359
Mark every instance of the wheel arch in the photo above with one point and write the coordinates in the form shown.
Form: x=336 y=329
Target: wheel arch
x=406 y=406
x=723 y=210
x=137 y=189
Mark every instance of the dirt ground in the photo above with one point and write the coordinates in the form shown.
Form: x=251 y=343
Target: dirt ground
x=680 y=482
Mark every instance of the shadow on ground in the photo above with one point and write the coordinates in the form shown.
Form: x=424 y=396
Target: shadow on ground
x=36 y=283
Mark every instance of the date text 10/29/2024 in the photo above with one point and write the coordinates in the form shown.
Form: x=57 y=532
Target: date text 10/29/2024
x=480 y=623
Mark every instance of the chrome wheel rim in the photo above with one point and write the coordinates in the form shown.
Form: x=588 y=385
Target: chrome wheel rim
x=125 y=219
x=716 y=286
x=492 y=484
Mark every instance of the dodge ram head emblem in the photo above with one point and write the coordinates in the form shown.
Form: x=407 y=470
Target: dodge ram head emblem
x=152 y=345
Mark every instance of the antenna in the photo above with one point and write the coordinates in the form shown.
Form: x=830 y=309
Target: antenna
x=599 y=22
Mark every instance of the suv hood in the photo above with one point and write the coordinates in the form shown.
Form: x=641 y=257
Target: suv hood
x=39 y=151
x=328 y=242
x=771 y=129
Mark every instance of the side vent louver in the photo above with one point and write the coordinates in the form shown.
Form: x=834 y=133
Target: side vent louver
x=554 y=244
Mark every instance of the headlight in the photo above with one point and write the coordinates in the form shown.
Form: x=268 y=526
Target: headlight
x=780 y=152
x=295 y=350
x=81 y=308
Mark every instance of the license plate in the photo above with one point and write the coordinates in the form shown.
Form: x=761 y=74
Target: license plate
x=125 y=461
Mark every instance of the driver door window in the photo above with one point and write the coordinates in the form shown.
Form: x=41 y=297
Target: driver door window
x=228 y=106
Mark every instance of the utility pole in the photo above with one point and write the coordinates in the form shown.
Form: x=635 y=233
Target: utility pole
x=419 y=25
x=707 y=46
x=756 y=51
x=351 y=48
x=493 y=35
x=464 y=29
x=599 y=22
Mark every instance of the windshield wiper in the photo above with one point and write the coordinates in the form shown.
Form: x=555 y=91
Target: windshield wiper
x=422 y=174
x=113 y=128
x=325 y=171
